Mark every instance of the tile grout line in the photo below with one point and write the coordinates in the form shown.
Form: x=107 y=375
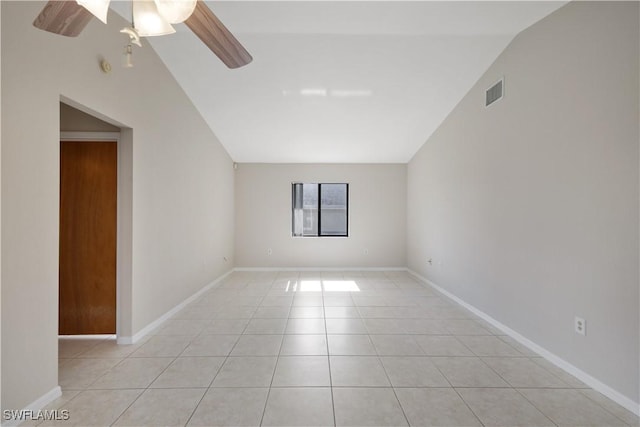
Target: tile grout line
x=326 y=338
x=606 y=409
x=214 y=377
x=157 y=376
x=493 y=370
x=459 y=395
x=273 y=374
x=384 y=369
x=218 y=371
x=534 y=405
x=143 y=389
x=451 y=385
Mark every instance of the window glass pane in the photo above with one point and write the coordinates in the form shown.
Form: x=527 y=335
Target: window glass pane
x=333 y=209
x=310 y=209
x=296 y=202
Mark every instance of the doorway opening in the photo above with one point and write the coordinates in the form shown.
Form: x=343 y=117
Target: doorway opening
x=95 y=226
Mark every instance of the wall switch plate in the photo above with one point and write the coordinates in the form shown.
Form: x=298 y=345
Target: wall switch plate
x=580 y=326
x=269 y=251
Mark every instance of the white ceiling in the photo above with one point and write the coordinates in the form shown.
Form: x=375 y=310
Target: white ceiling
x=342 y=81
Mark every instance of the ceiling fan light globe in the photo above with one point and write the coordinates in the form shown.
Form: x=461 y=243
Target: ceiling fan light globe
x=147 y=21
x=98 y=8
x=176 y=11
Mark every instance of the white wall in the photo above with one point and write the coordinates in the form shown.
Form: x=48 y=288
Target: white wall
x=529 y=208
x=377 y=215
x=73 y=120
x=183 y=203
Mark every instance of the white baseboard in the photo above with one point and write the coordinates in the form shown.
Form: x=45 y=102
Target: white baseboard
x=160 y=320
x=272 y=269
x=35 y=406
x=88 y=337
x=592 y=382
x=124 y=340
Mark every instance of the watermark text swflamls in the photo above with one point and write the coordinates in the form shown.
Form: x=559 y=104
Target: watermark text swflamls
x=39 y=415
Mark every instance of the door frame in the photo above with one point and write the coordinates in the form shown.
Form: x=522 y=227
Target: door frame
x=123 y=226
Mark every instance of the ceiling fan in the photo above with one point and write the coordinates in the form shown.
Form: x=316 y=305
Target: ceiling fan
x=150 y=18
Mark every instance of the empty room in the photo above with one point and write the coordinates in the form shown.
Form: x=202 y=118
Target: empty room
x=320 y=213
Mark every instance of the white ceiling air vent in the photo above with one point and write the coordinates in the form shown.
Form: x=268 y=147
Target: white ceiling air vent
x=494 y=93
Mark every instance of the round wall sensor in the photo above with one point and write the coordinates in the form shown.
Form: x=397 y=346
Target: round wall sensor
x=105 y=66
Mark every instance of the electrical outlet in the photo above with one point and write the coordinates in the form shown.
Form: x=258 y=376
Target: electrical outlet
x=269 y=251
x=580 y=326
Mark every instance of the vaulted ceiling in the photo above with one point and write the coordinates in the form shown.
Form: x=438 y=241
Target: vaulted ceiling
x=341 y=81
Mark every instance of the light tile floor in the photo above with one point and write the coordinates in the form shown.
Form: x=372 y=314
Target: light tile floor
x=325 y=348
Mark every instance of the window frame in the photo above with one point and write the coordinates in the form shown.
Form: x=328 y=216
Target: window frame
x=319 y=185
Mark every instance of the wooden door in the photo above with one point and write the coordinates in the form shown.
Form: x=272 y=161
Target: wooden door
x=88 y=203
